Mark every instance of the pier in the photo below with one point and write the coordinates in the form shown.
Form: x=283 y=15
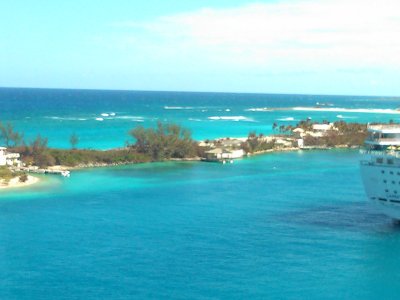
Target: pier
x=36 y=170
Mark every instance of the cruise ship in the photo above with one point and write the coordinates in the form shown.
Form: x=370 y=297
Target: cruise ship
x=380 y=168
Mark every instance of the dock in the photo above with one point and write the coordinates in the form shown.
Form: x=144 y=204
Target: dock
x=36 y=170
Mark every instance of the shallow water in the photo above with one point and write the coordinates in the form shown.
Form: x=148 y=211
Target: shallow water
x=278 y=226
x=103 y=119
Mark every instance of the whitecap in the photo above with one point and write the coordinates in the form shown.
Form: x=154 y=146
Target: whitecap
x=258 y=109
x=194 y=119
x=105 y=115
x=230 y=118
x=227 y=109
x=99 y=119
x=345 y=117
x=178 y=107
x=354 y=110
x=286 y=119
x=66 y=118
x=134 y=118
x=112 y=114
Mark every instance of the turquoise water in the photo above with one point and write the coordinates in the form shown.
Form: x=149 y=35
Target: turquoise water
x=57 y=114
x=289 y=225
x=278 y=226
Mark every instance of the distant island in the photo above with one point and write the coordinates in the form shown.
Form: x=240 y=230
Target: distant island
x=165 y=142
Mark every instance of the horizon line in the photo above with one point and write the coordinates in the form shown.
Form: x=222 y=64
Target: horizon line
x=199 y=92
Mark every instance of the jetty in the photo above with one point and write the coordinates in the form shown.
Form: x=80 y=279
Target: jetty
x=37 y=170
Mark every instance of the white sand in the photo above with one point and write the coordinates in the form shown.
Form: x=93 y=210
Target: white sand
x=15 y=183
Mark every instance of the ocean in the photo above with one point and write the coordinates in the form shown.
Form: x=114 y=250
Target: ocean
x=290 y=225
x=103 y=119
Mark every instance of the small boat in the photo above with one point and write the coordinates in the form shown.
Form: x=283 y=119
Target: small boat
x=66 y=173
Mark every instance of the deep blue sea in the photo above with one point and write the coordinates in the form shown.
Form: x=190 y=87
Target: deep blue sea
x=277 y=226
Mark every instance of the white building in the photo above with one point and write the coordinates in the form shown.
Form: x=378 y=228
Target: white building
x=221 y=154
x=9 y=159
x=300 y=143
x=3 y=160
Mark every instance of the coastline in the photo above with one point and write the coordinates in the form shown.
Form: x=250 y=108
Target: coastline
x=15 y=183
x=198 y=159
x=306 y=136
x=292 y=149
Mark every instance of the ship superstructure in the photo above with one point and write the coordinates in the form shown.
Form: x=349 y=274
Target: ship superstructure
x=380 y=168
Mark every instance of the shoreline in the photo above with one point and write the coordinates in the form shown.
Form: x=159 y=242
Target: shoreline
x=198 y=159
x=15 y=183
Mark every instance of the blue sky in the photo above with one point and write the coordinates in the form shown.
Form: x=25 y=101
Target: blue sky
x=313 y=47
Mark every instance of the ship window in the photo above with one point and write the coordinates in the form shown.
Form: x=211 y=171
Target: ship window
x=386 y=190
x=383 y=172
x=393 y=182
x=395 y=192
x=379 y=160
x=391 y=172
x=398 y=173
x=384 y=181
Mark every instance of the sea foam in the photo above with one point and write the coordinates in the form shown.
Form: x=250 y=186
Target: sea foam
x=178 y=107
x=345 y=117
x=258 y=109
x=354 y=110
x=230 y=118
x=286 y=119
x=66 y=118
x=134 y=118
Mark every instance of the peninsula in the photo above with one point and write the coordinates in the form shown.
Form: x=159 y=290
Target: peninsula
x=166 y=142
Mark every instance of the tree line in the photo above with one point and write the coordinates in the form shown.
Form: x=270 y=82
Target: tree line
x=163 y=142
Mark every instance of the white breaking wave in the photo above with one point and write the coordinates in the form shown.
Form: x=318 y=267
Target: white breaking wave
x=258 y=109
x=354 y=110
x=345 y=117
x=230 y=118
x=105 y=115
x=134 y=118
x=67 y=118
x=286 y=119
x=99 y=119
x=178 y=107
x=195 y=120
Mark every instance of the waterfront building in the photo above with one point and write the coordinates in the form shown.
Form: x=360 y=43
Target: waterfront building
x=9 y=159
x=222 y=154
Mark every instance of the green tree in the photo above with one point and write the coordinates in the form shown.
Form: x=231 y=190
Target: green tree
x=164 y=142
x=9 y=136
x=39 y=152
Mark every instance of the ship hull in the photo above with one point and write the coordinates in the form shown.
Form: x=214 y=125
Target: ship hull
x=382 y=186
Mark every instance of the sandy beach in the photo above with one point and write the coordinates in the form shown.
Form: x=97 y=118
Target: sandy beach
x=15 y=183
